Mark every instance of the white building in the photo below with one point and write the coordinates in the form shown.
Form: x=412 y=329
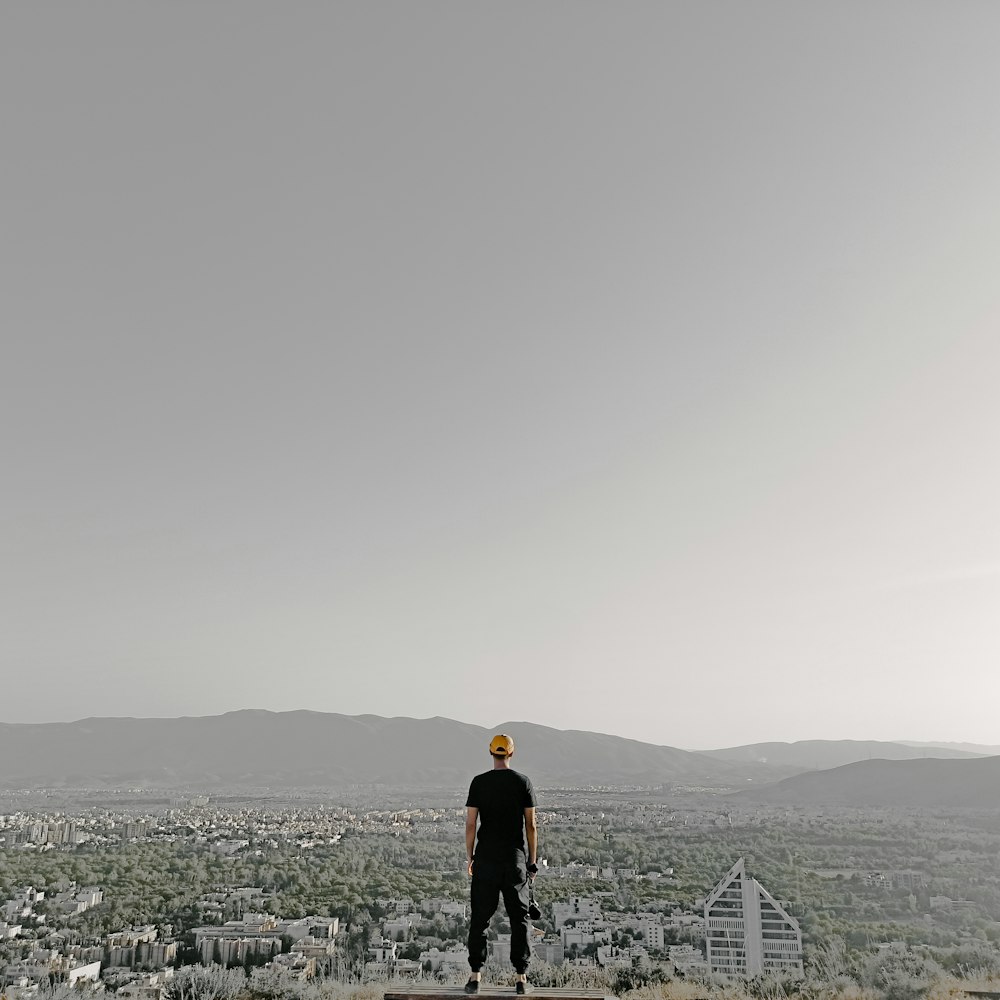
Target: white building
x=549 y=950
x=383 y=953
x=256 y=934
x=314 y=927
x=453 y=960
x=398 y=929
x=687 y=959
x=747 y=930
x=300 y=967
x=612 y=957
x=236 y=950
x=449 y=907
x=84 y=973
x=652 y=934
x=148 y=987
x=585 y=933
x=576 y=908
x=317 y=949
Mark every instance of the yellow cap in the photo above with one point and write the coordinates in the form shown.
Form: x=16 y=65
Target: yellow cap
x=501 y=745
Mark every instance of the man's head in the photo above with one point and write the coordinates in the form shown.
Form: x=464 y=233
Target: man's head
x=501 y=747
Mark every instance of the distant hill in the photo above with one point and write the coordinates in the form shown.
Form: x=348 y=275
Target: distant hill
x=929 y=782
x=814 y=755
x=261 y=748
x=983 y=749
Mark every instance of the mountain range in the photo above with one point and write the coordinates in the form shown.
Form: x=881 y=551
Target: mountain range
x=821 y=754
x=984 y=749
x=927 y=783
x=286 y=749
x=261 y=748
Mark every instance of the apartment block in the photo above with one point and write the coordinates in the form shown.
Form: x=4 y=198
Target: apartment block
x=748 y=932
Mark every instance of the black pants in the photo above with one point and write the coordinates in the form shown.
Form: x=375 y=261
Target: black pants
x=490 y=880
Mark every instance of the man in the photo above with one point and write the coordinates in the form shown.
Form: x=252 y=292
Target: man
x=501 y=859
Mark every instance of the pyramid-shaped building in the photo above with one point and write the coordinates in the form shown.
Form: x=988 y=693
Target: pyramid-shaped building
x=747 y=930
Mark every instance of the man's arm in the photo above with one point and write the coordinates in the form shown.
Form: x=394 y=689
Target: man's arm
x=471 y=815
x=531 y=832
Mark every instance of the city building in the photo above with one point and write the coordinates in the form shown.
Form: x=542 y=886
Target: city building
x=687 y=960
x=450 y=962
x=549 y=950
x=747 y=930
x=576 y=908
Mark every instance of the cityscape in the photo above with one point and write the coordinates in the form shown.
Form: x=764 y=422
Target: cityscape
x=136 y=890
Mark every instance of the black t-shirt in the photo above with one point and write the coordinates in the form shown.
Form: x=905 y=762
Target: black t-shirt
x=501 y=796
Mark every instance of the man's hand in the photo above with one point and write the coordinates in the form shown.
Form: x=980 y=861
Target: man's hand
x=470 y=869
x=532 y=871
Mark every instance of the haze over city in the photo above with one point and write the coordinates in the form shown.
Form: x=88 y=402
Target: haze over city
x=627 y=372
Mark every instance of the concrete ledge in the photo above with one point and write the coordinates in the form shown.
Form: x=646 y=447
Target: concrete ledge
x=492 y=992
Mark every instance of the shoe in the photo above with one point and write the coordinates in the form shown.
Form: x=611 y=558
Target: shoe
x=522 y=987
x=472 y=987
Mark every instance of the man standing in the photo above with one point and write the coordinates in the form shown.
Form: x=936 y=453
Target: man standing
x=502 y=858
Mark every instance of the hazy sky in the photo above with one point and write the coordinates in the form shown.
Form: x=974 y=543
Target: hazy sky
x=628 y=367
